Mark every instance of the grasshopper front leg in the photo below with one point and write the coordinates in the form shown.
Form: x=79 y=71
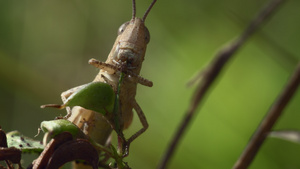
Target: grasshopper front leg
x=111 y=69
x=144 y=122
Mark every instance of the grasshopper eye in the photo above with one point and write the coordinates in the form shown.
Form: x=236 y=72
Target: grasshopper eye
x=147 y=35
x=122 y=28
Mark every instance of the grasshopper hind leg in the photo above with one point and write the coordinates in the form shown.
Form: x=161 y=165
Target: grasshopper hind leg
x=66 y=94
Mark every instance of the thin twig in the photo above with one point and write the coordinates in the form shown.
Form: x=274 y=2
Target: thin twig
x=266 y=125
x=212 y=73
x=279 y=54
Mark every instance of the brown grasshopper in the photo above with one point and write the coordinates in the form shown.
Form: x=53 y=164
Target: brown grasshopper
x=126 y=56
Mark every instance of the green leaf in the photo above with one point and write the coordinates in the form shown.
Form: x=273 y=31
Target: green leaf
x=55 y=127
x=26 y=144
x=96 y=96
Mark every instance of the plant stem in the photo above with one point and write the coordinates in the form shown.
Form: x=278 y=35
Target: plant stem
x=266 y=125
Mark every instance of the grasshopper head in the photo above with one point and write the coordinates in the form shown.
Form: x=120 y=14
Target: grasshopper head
x=130 y=45
x=133 y=37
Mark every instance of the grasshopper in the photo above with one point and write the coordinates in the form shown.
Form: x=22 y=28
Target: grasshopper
x=126 y=58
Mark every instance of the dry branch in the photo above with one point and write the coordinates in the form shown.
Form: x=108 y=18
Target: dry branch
x=268 y=122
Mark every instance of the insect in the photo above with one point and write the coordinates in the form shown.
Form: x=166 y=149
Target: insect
x=126 y=58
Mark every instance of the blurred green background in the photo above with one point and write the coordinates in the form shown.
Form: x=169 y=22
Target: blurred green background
x=45 y=46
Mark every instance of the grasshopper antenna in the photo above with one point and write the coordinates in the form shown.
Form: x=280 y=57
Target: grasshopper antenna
x=148 y=10
x=133 y=9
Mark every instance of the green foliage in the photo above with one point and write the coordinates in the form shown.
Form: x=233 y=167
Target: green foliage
x=96 y=96
x=55 y=127
x=26 y=144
